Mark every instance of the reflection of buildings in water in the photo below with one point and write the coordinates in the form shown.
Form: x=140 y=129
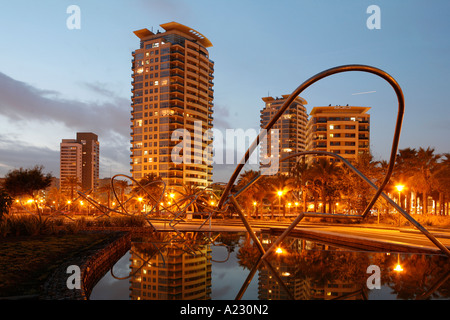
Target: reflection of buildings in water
x=301 y=287
x=171 y=274
x=333 y=289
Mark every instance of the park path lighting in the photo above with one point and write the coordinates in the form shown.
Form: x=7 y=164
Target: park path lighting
x=399 y=188
x=140 y=199
x=280 y=193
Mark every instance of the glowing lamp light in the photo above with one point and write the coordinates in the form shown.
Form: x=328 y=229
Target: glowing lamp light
x=399 y=187
x=280 y=193
x=279 y=250
x=398 y=268
x=140 y=199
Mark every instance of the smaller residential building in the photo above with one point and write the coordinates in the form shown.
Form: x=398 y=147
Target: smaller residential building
x=344 y=130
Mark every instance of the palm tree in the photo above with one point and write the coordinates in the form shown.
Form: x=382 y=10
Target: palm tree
x=253 y=193
x=150 y=183
x=280 y=183
x=301 y=175
x=122 y=185
x=55 y=195
x=405 y=166
x=73 y=183
x=442 y=176
x=326 y=172
x=423 y=176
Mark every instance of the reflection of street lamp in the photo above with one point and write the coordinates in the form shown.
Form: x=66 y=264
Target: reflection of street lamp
x=398 y=267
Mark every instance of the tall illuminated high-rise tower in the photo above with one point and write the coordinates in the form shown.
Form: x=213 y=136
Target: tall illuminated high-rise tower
x=290 y=127
x=172 y=89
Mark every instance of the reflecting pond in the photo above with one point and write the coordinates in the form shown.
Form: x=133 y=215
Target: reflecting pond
x=222 y=266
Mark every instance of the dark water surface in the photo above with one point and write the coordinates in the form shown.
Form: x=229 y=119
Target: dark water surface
x=223 y=266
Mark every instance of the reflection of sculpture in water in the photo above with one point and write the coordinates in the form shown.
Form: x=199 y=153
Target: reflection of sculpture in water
x=311 y=271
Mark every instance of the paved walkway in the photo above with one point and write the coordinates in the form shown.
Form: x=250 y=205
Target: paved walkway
x=363 y=237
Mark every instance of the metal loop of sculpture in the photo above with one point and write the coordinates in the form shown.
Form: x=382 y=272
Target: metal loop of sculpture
x=226 y=196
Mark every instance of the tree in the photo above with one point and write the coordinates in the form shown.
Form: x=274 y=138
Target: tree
x=326 y=172
x=122 y=185
x=404 y=171
x=442 y=176
x=357 y=192
x=423 y=176
x=27 y=182
x=276 y=183
x=73 y=183
x=5 y=203
x=301 y=176
x=254 y=193
x=152 y=185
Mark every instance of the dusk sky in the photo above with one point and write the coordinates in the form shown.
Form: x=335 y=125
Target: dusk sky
x=56 y=81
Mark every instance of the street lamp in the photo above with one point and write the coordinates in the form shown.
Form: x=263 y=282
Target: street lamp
x=280 y=193
x=399 y=188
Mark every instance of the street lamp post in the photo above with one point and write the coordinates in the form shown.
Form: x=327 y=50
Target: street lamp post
x=280 y=193
x=140 y=204
x=399 y=189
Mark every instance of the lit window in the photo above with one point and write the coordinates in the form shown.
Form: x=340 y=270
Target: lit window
x=331 y=126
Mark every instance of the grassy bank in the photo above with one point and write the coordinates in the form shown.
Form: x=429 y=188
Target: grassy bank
x=26 y=261
x=31 y=248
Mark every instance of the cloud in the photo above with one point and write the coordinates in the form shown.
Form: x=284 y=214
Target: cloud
x=221 y=118
x=16 y=154
x=20 y=101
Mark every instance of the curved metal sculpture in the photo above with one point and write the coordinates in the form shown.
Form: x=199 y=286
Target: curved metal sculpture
x=298 y=91
x=226 y=196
